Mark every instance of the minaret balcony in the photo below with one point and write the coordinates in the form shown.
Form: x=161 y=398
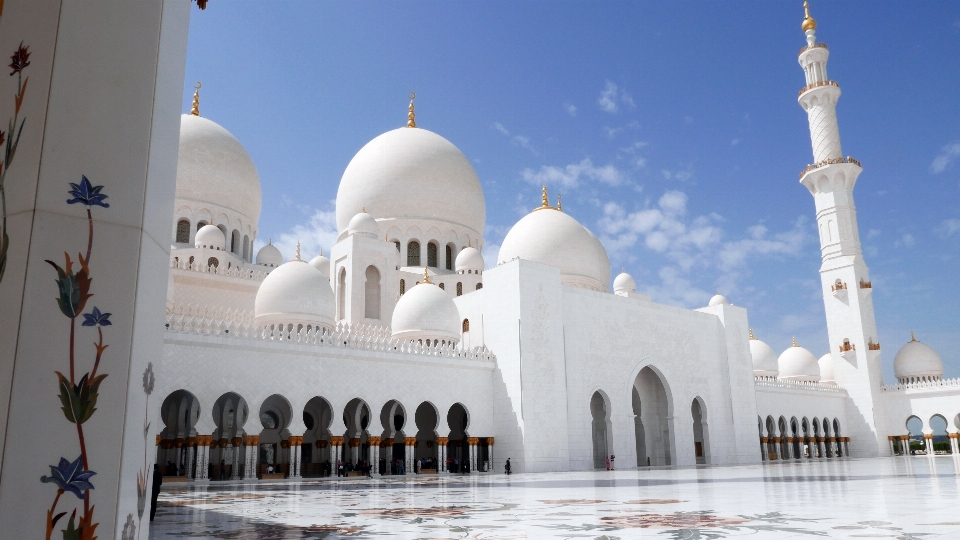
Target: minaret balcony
x=814 y=46
x=817 y=84
x=839 y=290
x=829 y=161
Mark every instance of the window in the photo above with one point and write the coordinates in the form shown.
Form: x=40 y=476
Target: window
x=183 y=231
x=432 y=255
x=397 y=242
x=413 y=253
x=246 y=247
x=449 y=257
x=403 y=287
x=459 y=289
x=442 y=287
x=466 y=325
x=479 y=286
x=201 y=224
x=342 y=293
x=235 y=242
x=212 y=261
x=371 y=296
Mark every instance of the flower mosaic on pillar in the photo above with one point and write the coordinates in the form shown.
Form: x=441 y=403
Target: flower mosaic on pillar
x=411 y=445
x=295 y=455
x=252 y=444
x=442 y=452
x=374 y=443
x=491 y=467
x=473 y=442
x=236 y=443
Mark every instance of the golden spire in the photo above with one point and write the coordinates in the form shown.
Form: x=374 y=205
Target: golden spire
x=426 y=275
x=196 y=100
x=559 y=204
x=809 y=23
x=411 y=121
x=912 y=337
x=298 y=251
x=751 y=335
x=544 y=202
x=795 y=341
x=321 y=252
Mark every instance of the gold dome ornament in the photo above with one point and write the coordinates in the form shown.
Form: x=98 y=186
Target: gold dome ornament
x=809 y=23
x=196 y=98
x=411 y=118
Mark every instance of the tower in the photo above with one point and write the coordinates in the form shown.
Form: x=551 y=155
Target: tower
x=844 y=275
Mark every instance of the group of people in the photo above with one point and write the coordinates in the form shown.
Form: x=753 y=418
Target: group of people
x=346 y=467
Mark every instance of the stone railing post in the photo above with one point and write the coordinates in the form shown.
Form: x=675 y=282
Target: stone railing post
x=374 y=443
x=442 y=453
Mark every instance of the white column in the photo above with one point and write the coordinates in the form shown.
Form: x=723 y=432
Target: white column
x=442 y=452
x=191 y=452
x=490 y=442
x=904 y=446
x=472 y=441
x=388 y=455
x=790 y=448
x=764 y=455
x=812 y=447
x=846 y=447
x=928 y=443
x=953 y=444
x=821 y=445
x=336 y=444
x=295 y=456
x=203 y=457
x=375 y=452
x=409 y=442
x=237 y=444
x=893 y=448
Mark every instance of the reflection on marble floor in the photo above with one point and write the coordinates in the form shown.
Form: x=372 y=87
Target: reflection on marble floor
x=902 y=498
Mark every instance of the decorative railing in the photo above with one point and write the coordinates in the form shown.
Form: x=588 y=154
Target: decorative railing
x=839 y=286
x=865 y=284
x=846 y=346
x=829 y=161
x=939 y=383
x=814 y=46
x=773 y=382
x=817 y=84
x=191 y=320
x=221 y=270
x=873 y=346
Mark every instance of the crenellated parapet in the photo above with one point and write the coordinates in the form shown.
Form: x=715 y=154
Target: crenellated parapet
x=191 y=265
x=922 y=385
x=773 y=382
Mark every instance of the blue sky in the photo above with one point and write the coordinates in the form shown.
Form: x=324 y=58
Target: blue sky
x=671 y=128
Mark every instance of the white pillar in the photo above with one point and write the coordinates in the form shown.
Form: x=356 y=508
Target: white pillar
x=790 y=448
x=374 y=443
x=953 y=443
x=904 y=445
x=821 y=445
x=336 y=444
x=893 y=448
x=491 y=467
x=442 y=452
x=191 y=452
x=764 y=455
x=472 y=441
x=388 y=455
x=928 y=443
x=203 y=457
x=295 y=455
x=237 y=443
x=410 y=443
x=812 y=447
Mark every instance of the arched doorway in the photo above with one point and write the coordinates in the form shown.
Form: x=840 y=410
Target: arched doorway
x=315 y=451
x=458 y=449
x=938 y=428
x=600 y=430
x=701 y=446
x=342 y=294
x=655 y=409
x=642 y=459
x=227 y=454
x=795 y=435
x=179 y=412
x=356 y=417
x=783 y=447
x=275 y=415
x=393 y=417
x=371 y=293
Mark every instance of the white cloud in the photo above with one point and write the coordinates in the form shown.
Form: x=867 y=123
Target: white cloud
x=946 y=156
x=571 y=109
x=682 y=175
x=948 y=227
x=612 y=96
x=612 y=132
x=906 y=240
x=572 y=175
x=873 y=233
x=518 y=140
x=734 y=142
x=320 y=231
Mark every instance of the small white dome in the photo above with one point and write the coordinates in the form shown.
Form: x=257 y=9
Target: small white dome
x=717 y=300
x=270 y=256
x=295 y=293
x=426 y=312
x=322 y=264
x=363 y=224
x=798 y=364
x=826 y=368
x=917 y=361
x=213 y=168
x=764 y=359
x=469 y=258
x=624 y=283
x=209 y=236
x=551 y=237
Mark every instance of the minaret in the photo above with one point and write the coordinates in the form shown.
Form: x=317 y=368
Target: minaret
x=844 y=275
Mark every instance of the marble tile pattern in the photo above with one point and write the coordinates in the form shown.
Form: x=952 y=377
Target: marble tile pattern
x=903 y=498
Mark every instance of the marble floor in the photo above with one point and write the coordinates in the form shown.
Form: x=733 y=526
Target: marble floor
x=903 y=498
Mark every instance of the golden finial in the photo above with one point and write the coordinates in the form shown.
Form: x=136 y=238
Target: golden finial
x=559 y=204
x=751 y=335
x=544 y=203
x=411 y=121
x=809 y=23
x=795 y=341
x=321 y=252
x=426 y=275
x=298 y=251
x=196 y=99
x=912 y=337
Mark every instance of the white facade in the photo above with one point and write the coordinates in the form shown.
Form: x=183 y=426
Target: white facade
x=402 y=348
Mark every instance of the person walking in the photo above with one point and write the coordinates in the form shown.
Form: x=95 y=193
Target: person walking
x=157 y=482
x=506 y=467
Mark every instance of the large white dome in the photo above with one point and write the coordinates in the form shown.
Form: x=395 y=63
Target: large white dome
x=321 y=263
x=469 y=259
x=764 y=358
x=549 y=236
x=214 y=171
x=799 y=364
x=426 y=312
x=294 y=293
x=412 y=173
x=826 y=368
x=917 y=361
x=624 y=283
x=269 y=255
x=209 y=236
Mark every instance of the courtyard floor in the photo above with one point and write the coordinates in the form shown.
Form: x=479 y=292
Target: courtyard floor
x=903 y=498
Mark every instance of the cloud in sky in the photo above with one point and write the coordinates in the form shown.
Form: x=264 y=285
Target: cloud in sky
x=946 y=157
x=517 y=140
x=948 y=228
x=574 y=174
x=612 y=96
x=571 y=109
x=320 y=231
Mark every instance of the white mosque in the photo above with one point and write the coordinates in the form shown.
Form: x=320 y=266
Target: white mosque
x=405 y=347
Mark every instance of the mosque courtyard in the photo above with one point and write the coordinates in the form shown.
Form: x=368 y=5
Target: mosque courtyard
x=903 y=498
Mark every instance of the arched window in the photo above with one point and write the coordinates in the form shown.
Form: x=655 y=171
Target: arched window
x=371 y=293
x=442 y=287
x=413 y=253
x=235 y=242
x=397 y=242
x=201 y=224
x=466 y=325
x=212 y=261
x=246 y=247
x=183 y=231
x=432 y=255
x=449 y=265
x=403 y=287
x=459 y=289
x=342 y=293
x=479 y=286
